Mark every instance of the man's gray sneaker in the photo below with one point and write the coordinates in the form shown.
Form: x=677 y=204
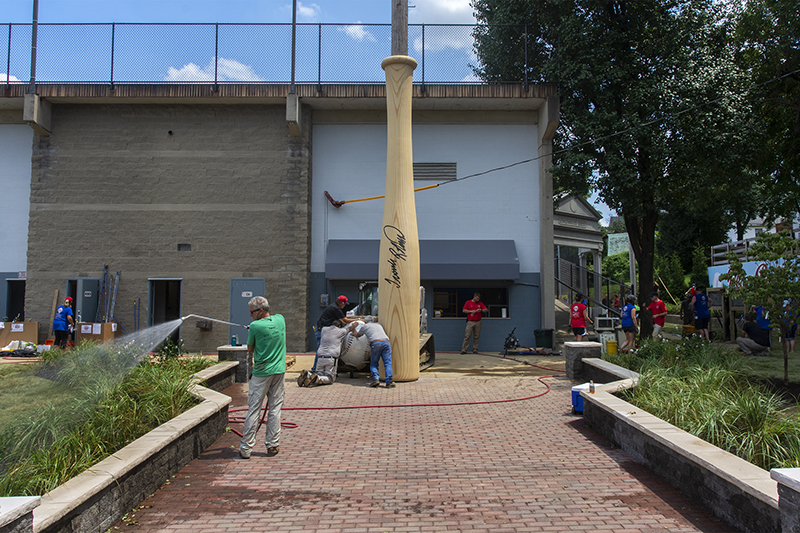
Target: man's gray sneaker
x=243 y=454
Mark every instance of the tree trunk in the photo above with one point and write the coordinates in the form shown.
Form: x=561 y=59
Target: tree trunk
x=641 y=232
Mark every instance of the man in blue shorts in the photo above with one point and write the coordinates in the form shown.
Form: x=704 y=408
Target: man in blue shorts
x=701 y=313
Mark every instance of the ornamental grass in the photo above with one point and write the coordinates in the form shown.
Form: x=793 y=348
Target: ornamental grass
x=119 y=396
x=704 y=390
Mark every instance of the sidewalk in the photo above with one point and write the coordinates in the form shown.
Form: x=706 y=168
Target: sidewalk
x=517 y=466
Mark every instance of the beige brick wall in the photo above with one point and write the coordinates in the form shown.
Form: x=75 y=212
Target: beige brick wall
x=112 y=186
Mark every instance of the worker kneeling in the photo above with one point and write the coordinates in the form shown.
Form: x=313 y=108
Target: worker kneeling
x=330 y=346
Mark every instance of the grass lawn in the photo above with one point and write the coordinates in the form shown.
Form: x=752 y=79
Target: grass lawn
x=761 y=368
x=22 y=393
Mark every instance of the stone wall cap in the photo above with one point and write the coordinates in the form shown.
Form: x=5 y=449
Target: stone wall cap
x=787 y=476
x=17 y=506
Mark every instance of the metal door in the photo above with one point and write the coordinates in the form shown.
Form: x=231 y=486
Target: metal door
x=86 y=299
x=242 y=289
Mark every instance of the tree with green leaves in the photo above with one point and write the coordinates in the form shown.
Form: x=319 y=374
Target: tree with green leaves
x=650 y=116
x=776 y=285
x=769 y=38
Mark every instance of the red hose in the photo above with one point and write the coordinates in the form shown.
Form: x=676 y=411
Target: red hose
x=292 y=425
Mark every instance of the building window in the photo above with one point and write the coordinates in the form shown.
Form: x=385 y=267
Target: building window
x=448 y=302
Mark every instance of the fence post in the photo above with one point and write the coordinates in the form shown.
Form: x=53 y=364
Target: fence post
x=423 y=58
x=319 y=58
x=215 y=88
x=113 y=39
x=8 y=63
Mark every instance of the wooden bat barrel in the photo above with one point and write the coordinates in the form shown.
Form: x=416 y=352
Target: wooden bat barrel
x=398 y=270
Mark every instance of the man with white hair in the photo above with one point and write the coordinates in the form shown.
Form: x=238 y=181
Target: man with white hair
x=380 y=350
x=266 y=344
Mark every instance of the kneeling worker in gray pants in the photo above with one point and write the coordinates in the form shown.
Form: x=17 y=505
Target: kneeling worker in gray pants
x=330 y=347
x=754 y=340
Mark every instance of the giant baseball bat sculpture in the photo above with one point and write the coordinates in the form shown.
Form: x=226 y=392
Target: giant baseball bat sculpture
x=398 y=271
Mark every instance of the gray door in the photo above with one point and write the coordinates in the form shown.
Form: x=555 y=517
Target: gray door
x=242 y=289
x=86 y=298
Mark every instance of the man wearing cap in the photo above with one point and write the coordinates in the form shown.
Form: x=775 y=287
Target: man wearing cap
x=63 y=322
x=266 y=344
x=332 y=313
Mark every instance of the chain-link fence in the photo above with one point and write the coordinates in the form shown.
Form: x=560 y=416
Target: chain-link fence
x=242 y=53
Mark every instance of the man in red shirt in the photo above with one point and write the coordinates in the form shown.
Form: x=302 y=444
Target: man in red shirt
x=659 y=310
x=578 y=317
x=473 y=309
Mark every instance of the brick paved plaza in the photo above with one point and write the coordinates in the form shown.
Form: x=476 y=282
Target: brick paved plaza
x=503 y=467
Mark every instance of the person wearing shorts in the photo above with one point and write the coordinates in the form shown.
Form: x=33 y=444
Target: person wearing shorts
x=629 y=323
x=578 y=317
x=701 y=313
x=659 y=310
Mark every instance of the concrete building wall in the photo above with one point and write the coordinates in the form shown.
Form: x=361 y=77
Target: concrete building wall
x=125 y=185
x=499 y=205
x=15 y=184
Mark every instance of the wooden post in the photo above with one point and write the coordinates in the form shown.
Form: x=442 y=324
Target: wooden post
x=398 y=270
x=50 y=335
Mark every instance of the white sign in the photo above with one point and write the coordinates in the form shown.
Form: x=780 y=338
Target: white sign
x=247 y=294
x=86 y=329
x=114 y=327
x=618 y=243
x=2 y=325
x=17 y=328
x=97 y=329
x=87 y=294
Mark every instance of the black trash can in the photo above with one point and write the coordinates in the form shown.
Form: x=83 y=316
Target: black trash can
x=544 y=338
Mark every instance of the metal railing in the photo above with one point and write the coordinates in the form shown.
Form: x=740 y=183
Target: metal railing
x=243 y=53
x=572 y=277
x=719 y=253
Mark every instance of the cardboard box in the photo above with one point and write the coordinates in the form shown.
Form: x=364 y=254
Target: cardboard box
x=95 y=332
x=19 y=331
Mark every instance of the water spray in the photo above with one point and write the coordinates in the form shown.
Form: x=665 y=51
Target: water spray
x=216 y=320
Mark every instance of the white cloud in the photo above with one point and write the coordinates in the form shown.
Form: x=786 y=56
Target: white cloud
x=441 y=12
x=227 y=70
x=4 y=78
x=358 y=33
x=305 y=12
x=308 y=12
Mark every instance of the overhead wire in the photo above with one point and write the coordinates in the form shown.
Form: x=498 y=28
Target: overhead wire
x=582 y=144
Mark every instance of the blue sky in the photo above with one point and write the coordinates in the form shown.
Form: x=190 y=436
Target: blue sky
x=343 y=11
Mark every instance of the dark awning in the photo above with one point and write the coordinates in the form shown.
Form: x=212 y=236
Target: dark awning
x=472 y=259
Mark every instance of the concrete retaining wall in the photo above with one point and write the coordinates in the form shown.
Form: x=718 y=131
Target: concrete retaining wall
x=98 y=498
x=738 y=492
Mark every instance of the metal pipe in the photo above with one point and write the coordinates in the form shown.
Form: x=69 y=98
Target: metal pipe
x=216 y=320
x=294 y=41
x=34 y=33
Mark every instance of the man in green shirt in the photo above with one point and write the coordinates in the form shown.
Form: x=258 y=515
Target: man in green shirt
x=266 y=344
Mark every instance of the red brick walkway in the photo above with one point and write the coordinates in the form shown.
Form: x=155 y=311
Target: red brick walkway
x=504 y=467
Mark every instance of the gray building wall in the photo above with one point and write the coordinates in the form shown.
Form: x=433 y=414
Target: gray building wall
x=124 y=185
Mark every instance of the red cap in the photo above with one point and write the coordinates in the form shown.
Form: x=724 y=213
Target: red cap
x=343 y=298
x=69 y=299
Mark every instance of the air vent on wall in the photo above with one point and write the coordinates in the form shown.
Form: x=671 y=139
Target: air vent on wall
x=435 y=171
